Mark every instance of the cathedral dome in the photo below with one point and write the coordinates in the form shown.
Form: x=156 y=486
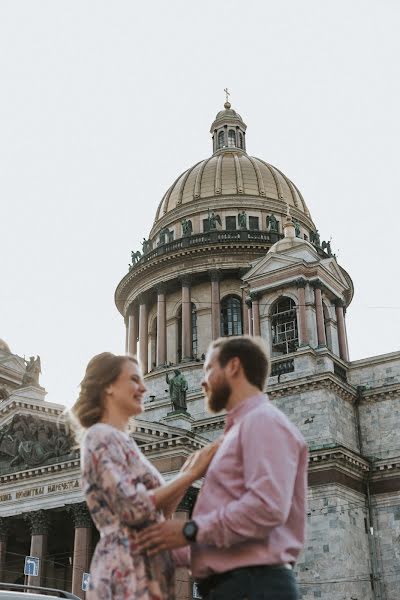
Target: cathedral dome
x=4 y=347
x=231 y=172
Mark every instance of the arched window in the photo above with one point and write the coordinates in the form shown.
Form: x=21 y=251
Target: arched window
x=231 y=138
x=240 y=137
x=231 y=316
x=285 y=338
x=179 y=334
x=221 y=139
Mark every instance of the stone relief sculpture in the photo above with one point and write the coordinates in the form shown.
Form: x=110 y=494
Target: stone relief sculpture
x=242 y=220
x=30 y=442
x=178 y=386
x=272 y=223
x=32 y=372
x=187 y=227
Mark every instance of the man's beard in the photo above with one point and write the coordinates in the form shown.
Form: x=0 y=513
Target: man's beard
x=217 y=399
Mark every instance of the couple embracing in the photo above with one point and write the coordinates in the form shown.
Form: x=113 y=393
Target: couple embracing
x=248 y=524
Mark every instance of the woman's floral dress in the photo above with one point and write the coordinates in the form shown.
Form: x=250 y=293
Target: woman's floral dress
x=117 y=481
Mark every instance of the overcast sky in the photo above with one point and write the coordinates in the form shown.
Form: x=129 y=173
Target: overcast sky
x=103 y=104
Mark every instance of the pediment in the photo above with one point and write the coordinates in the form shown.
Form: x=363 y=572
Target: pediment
x=13 y=363
x=330 y=265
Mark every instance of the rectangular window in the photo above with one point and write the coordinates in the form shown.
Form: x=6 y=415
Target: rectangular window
x=206 y=225
x=230 y=223
x=254 y=223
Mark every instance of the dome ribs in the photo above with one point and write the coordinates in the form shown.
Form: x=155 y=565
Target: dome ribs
x=302 y=200
x=261 y=187
x=276 y=180
x=239 y=176
x=291 y=188
x=197 y=184
x=218 y=175
x=182 y=187
x=168 y=194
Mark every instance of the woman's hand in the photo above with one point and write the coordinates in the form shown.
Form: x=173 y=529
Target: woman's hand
x=198 y=462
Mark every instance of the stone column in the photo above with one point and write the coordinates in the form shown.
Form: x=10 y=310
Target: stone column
x=161 y=327
x=249 y=305
x=319 y=311
x=183 y=582
x=215 y=304
x=82 y=541
x=131 y=331
x=186 y=319
x=143 y=335
x=245 y=312
x=4 y=530
x=341 y=329
x=39 y=524
x=303 y=334
x=256 y=314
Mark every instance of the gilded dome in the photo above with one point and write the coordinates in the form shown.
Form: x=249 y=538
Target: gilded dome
x=231 y=173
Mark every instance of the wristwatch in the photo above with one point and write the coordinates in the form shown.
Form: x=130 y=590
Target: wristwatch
x=190 y=530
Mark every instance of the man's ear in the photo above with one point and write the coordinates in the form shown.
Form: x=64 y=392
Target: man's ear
x=234 y=366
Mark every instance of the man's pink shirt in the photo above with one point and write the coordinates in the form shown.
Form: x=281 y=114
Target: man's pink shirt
x=251 y=509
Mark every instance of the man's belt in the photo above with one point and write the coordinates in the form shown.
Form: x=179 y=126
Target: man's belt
x=205 y=586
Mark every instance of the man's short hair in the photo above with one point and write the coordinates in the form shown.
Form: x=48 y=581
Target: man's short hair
x=252 y=353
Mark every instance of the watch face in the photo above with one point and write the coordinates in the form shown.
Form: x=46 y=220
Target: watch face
x=190 y=530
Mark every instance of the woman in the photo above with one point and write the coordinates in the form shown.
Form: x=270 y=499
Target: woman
x=123 y=491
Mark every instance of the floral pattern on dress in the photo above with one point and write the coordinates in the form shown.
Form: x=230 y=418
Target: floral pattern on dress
x=117 y=480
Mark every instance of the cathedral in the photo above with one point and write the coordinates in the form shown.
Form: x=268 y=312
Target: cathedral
x=233 y=250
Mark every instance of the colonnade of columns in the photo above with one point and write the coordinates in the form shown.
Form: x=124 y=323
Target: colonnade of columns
x=39 y=524
x=137 y=321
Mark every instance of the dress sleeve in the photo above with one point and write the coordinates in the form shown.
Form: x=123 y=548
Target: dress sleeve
x=106 y=475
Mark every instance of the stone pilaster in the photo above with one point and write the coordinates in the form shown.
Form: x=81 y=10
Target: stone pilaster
x=161 y=327
x=132 y=331
x=39 y=523
x=4 y=532
x=215 y=304
x=302 y=314
x=256 y=314
x=341 y=329
x=82 y=540
x=143 y=335
x=319 y=313
x=249 y=305
x=186 y=319
x=245 y=312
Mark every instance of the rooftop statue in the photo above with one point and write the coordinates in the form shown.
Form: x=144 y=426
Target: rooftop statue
x=32 y=372
x=178 y=386
x=213 y=219
x=272 y=223
x=242 y=220
x=187 y=227
x=147 y=246
x=297 y=228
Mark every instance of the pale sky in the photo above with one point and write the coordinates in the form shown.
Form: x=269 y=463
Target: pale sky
x=104 y=104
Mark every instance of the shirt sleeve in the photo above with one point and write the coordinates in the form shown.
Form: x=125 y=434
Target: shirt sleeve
x=108 y=479
x=270 y=455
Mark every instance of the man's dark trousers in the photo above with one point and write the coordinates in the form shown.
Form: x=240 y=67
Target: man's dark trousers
x=253 y=583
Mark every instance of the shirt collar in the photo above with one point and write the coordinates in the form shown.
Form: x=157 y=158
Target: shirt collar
x=237 y=413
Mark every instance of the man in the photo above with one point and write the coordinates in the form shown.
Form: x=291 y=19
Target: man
x=248 y=525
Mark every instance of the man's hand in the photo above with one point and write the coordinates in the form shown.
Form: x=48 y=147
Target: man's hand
x=163 y=536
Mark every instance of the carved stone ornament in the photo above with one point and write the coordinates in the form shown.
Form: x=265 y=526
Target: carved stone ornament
x=80 y=515
x=3 y=393
x=32 y=372
x=39 y=522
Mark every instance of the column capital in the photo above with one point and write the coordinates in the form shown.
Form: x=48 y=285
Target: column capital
x=185 y=280
x=339 y=303
x=249 y=302
x=215 y=274
x=80 y=515
x=300 y=282
x=161 y=288
x=317 y=285
x=39 y=522
x=4 y=528
x=255 y=295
